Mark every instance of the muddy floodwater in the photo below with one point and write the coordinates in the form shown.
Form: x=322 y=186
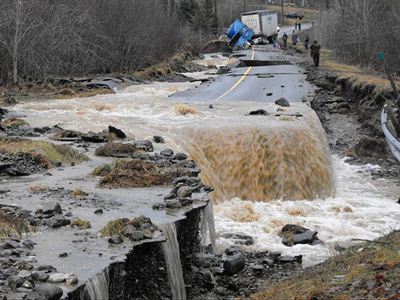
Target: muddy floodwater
x=337 y=199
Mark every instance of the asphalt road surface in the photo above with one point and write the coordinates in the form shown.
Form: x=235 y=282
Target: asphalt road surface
x=262 y=74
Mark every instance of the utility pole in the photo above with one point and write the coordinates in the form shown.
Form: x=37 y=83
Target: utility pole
x=244 y=5
x=283 y=13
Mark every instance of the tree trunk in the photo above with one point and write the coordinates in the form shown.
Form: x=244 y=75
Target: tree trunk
x=18 y=12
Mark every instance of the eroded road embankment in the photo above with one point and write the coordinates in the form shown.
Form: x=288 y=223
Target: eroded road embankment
x=257 y=142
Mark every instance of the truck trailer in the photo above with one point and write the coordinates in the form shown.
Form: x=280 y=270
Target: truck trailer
x=264 y=23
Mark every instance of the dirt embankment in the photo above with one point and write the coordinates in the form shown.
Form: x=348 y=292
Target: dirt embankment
x=349 y=106
x=84 y=86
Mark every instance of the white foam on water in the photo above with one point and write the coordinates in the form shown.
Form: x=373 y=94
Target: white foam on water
x=360 y=210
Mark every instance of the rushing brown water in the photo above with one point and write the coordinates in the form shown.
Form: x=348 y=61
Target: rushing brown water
x=263 y=165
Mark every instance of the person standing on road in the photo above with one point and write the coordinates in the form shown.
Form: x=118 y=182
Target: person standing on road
x=299 y=24
x=296 y=23
x=315 y=53
x=306 y=41
x=285 y=38
x=294 y=38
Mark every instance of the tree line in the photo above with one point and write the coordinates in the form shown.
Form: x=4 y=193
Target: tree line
x=44 y=38
x=357 y=30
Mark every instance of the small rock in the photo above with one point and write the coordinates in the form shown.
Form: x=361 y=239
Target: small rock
x=27 y=284
x=167 y=152
x=118 y=132
x=294 y=234
x=258 y=112
x=158 y=139
x=98 y=211
x=180 y=156
x=28 y=244
x=50 y=291
x=128 y=230
x=14 y=282
x=57 y=277
x=65 y=254
x=71 y=279
x=23 y=290
x=52 y=208
x=24 y=274
x=147 y=233
x=289 y=259
x=115 y=239
x=240 y=239
x=137 y=235
x=269 y=94
x=46 y=268
x=234 y=263
x=258 y=268
x=173 y=203
x=210 y=106
x=282 y=102
x=144 y=145
x=40 y=276
x=184 y=192
x=9 y=245
x=58 y=221
x=232 y=250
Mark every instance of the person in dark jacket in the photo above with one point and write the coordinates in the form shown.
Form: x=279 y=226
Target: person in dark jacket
x=306 y=41
x=285 y=39
x=315 y=53
x=295 y=38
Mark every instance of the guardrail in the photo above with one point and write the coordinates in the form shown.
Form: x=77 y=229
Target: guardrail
x=393 y=142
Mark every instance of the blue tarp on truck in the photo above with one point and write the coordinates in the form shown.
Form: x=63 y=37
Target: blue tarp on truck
x=239 y=34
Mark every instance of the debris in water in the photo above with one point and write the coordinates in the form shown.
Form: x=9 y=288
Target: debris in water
x=258 y=112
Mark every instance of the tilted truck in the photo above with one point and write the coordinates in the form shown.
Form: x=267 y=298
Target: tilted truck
x=264 y=23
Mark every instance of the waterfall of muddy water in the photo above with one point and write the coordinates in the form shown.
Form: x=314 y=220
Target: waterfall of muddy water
x=263 y=163
x=173 y=261
x=207 y=228
x=97 y=287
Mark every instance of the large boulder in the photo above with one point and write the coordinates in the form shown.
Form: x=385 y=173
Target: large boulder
x=234 y=264
x=294 y=234
x=50 y=291
x=51 y=208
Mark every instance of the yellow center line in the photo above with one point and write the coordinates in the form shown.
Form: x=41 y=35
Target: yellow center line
x=240 y=80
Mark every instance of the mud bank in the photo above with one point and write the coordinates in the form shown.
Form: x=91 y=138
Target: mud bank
x=350 y=113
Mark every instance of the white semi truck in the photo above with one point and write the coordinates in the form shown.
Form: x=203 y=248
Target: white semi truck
x=264 y=23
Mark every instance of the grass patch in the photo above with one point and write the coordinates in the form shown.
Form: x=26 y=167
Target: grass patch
x=81 y=224
x=14 y=123
x=116 y=150
x=131 y=173
x=371 y=262
x=184 y=109
x=38 y=189
x=116 y=227
x=358 y=77
x=12 y=226
x=49 y=152
x=79 y=194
